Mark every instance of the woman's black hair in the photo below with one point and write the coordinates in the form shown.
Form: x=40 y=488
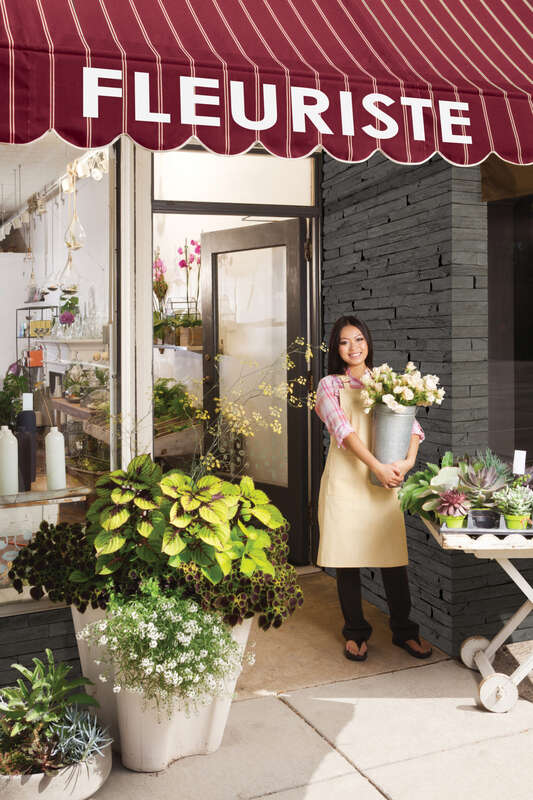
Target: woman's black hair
x=336 y=366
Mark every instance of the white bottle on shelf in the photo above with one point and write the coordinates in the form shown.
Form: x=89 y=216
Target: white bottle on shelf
x=54 y=445
x=9 y=462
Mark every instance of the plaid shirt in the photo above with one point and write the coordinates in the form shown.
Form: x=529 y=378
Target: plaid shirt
x=330 y=412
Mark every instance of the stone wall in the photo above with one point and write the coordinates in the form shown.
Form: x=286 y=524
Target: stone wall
x=24 y=636
x=405 y=247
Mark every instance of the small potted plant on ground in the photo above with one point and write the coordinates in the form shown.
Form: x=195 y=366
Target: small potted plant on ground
x=174 y=668
x=453 y=508
x=516 y=504
x=49 y=747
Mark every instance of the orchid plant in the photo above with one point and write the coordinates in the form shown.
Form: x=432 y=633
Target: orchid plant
x=191 y=255
x=160 y=286
x=395 y=390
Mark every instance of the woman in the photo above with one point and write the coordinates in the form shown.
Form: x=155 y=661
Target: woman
x=361 y=525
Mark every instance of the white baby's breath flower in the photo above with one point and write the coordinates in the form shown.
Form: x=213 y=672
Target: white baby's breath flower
x=116 y=689
x=102 y=678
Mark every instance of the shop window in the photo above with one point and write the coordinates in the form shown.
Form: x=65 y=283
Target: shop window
x=57 y=348
x=509 y=190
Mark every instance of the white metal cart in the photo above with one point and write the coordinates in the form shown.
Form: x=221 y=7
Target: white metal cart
x=497 y=692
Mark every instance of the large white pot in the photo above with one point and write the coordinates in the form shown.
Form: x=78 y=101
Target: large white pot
x=102 y=692
x=150 y=741
x=76 y=782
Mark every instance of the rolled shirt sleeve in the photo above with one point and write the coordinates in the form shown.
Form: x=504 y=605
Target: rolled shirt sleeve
x=329 y=410
x=417 y=431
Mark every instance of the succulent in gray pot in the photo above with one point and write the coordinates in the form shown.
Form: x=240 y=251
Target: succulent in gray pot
x=479 y=485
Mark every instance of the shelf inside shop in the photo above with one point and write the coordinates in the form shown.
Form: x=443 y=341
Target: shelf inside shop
x=73 y=495
x=192 y=348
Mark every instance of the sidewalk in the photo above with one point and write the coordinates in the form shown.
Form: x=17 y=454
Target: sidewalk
x=307 y=724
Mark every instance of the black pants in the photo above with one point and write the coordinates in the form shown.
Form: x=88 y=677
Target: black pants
x=396 y=586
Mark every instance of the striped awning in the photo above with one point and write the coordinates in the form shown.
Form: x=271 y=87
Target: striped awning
x=407 y=77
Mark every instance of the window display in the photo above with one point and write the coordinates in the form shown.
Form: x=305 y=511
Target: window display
x=56 y=342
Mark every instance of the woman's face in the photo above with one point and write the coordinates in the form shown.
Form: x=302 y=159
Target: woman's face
x=353 y=347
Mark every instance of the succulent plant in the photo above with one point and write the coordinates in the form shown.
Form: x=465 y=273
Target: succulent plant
x=479 y=485
x=453 y=504
x=486 y=458
x=517 y=501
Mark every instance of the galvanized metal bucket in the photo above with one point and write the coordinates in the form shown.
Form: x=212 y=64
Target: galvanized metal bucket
x=391 y=434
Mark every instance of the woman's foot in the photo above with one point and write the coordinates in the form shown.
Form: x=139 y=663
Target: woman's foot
x=355 y=652
x=418 y=648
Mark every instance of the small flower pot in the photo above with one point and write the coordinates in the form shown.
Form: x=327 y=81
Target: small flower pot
x=516 y=521
x=452 y=522
x=191 y=336
x=485 y=518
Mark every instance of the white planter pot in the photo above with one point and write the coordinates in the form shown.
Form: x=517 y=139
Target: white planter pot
x=151 y=741
x=102 y=692
x=76 y=782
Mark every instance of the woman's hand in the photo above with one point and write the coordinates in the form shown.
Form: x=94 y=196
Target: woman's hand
x=403 y=466
x=388 y=475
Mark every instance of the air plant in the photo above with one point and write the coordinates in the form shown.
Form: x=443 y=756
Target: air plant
x=479 y=485
x=453 y=504
x=79 y=736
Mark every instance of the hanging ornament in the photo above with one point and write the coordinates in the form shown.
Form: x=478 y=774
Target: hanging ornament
x=75 y=234
x=69 y=280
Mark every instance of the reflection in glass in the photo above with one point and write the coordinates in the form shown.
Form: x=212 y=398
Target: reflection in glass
x=252 y=317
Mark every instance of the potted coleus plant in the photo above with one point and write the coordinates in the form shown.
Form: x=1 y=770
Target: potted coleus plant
x=49 y=747
x=174 y=668
x=453 y=508
x=516 y=504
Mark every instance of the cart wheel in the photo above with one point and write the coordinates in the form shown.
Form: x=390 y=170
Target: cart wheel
x=498 y=693
x=470 y=647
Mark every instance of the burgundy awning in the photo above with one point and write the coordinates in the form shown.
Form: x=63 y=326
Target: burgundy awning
x=408 y=77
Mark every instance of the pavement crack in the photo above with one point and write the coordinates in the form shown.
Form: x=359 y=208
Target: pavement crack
x=334 y=747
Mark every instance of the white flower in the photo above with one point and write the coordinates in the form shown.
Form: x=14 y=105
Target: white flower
x=408 y=393
x=102 y=678
x=102 y=640
x=410 y=367
x=391 y=403
x=431 y=381
x=116 y=689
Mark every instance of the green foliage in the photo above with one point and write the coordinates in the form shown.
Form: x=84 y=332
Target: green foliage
x=514 y=501
x=224 y=543
x=71 y=304
x=30 y=711
x=418 y=487
x=11 y=398
x=189 y=321
x=214 y=522
x=170 y=401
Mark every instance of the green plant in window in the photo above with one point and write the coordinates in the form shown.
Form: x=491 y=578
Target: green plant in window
x=11 y=397
x=171 y=401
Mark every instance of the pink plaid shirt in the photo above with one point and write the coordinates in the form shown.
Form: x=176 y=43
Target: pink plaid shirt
x=330 y=412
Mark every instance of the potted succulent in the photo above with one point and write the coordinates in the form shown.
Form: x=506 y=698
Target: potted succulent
x=479 y=483
x=49 y=747
x=516 y=504
x=453 y=508
x=174 y=668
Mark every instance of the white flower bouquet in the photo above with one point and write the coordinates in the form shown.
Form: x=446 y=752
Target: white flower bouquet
x=383 y=385
x=166 y=648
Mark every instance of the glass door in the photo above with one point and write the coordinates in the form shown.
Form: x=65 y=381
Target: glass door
x=254 y=308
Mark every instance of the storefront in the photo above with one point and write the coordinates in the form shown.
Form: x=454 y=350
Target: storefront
x=282 y=239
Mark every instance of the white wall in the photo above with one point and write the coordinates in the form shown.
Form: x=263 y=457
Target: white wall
x=14 y=276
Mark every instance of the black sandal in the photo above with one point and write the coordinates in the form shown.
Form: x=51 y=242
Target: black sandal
x=358 y=656
x=410 y=650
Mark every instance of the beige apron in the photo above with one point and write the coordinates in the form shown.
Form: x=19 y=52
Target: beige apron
x=361 y=525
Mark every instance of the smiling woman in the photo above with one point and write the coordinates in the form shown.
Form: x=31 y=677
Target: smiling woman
x=361 y=525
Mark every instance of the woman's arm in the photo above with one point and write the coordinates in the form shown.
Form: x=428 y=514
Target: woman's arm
x=389 y=475
x=407 y=463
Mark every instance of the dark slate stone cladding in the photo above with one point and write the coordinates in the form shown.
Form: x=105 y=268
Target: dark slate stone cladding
x=405 y=247
x=24 y=636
